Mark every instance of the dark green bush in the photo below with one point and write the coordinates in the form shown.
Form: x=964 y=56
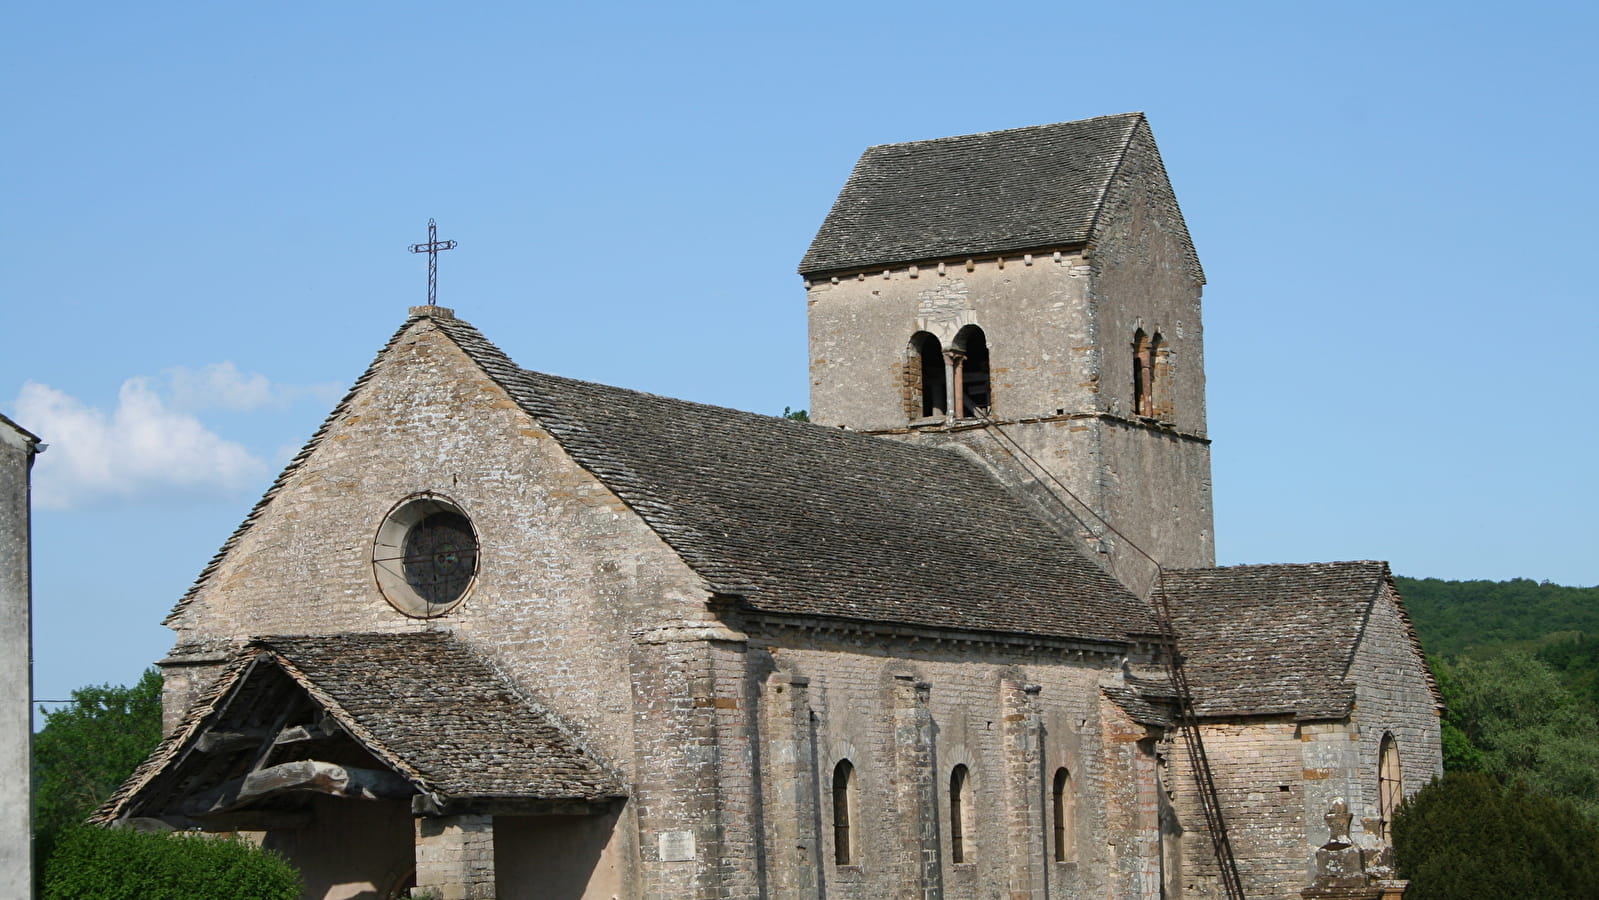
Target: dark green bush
x=120 y=864
x=1467 y=836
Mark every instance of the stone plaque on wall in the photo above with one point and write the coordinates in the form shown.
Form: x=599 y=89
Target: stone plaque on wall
x=677 y=846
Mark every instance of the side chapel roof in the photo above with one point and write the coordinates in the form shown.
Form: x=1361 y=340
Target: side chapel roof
x=1274 y=639
x=1021 y=189
x=799 y=519
x=424 y=704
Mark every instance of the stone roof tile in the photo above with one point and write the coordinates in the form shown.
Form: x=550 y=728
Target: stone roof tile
x=1272 y=639
x=424 y=704
x=448 y=714
x=1021 y=189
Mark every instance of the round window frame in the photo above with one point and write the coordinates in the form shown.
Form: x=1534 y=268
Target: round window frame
x=389 y=544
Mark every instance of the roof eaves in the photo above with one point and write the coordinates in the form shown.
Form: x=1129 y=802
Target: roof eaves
x=172 y=747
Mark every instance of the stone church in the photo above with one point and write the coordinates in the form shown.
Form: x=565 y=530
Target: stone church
x=500 y=634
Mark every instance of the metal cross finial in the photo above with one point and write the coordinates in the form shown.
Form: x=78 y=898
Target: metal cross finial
x=432 y=248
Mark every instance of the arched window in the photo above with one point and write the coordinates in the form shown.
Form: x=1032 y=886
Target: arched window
x=843 y=812
x=1143 y=374
x=959 y=816
x=1064 y=805
x=928 y=365
x=969 y=355
x=1390 y=790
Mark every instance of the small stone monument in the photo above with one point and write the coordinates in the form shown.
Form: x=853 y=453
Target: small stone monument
x=1341 y=866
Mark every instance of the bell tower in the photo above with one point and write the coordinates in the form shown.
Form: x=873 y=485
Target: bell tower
x=1034 y=296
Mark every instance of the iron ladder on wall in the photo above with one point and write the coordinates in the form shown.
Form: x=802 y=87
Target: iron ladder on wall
x=1194 y=743
x=1187 y=719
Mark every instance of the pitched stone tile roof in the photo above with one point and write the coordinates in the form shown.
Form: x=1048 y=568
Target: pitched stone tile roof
x=1021 y=189
x=447 y=713
x=1273 y=639
x=800 y=519
x=423 y=704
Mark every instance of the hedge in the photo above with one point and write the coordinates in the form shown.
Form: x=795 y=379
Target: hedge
x=122 y=864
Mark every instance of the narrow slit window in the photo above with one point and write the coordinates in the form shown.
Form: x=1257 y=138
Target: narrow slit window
x=1064 y=813
x=843 y=812
x=959 y=812
x=1143 y=374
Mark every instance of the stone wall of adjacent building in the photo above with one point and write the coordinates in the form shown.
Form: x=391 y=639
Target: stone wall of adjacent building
x=904 y=716
x=16 y=656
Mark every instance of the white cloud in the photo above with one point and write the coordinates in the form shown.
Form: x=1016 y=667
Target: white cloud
x=144 y=447
x=223 y=386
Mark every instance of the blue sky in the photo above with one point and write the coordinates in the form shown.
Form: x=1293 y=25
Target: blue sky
x=208 y=207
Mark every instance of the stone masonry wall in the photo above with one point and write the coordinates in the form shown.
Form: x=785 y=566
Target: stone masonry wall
x=905 y=716
x=1258 y=767
x=1032 y=309
x=1145 y=277
x=16 y=712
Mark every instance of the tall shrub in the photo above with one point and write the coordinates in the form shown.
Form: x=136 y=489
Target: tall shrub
x=122 y=864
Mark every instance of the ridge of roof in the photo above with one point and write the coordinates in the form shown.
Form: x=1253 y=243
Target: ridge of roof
x=1011 y=190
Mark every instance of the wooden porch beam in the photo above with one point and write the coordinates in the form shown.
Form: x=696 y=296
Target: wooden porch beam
x=306 y=775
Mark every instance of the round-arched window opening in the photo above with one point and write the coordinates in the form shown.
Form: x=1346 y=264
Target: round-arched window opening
x=425 y=556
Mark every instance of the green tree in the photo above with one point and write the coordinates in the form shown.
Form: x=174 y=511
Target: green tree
x=1460 y=754
x=1468 y=837
x=798 y=415
x=1522 y=723
x=87 y=749
x=122 y=864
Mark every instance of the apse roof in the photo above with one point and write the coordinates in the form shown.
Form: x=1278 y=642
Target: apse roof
x=1273 y=639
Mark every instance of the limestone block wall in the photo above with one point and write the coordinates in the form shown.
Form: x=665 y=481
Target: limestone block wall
x=1145 y=276
x=695 y=789
x=1259 y=770
x=905 y=717
x=1032 y=309
x=1393 y=695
